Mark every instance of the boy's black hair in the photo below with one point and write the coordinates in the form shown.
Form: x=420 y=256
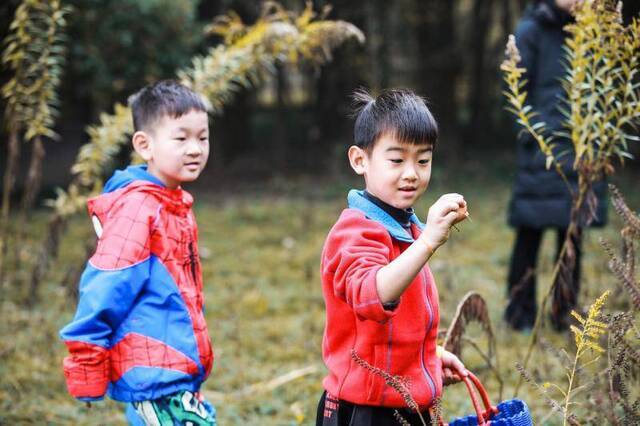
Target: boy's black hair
x=398 y=112
x=166 y=97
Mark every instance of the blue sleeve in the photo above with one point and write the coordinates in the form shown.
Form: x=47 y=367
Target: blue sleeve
x=106 y=297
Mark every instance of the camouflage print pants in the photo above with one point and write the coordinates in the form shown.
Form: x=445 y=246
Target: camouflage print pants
x=183 y=408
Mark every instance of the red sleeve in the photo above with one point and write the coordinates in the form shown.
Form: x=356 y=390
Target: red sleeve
x=86 y=370
x=354 y=252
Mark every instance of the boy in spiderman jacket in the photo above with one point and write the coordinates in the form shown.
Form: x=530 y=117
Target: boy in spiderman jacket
x=380 y=296
x=139 y=332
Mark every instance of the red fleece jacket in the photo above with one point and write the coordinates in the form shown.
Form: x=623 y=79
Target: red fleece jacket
x=401 y=342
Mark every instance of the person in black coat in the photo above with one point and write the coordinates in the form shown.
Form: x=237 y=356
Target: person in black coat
x=540 y=197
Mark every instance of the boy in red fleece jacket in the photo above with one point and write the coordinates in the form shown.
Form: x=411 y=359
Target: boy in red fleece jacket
x=380 y=296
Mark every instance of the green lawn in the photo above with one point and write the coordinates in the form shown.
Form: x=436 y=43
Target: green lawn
x=265 y=310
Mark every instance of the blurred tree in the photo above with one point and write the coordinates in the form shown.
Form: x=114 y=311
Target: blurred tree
x=120 y=45
x=479 y=49
x=331 y=129
x=630 y=9
x=439 y=64
x=447 y=51
x=34 y=53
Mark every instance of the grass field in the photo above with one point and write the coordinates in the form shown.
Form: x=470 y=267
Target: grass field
x=264 y=305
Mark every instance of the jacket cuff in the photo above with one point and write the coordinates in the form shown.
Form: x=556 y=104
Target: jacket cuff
x=86 y=370
x=368 y=304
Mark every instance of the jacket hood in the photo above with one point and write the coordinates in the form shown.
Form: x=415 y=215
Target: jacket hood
x=547 y=13
x=138 y=179
x=122 y=178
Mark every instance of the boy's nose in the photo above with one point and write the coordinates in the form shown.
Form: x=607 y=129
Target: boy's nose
x=194 y=148
x=410 y=174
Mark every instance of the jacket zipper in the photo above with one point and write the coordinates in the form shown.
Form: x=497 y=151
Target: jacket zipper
x=192 y=260
x=432 y=384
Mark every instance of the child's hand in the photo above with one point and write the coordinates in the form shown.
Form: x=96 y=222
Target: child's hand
x=452 y=368
x=444 y=213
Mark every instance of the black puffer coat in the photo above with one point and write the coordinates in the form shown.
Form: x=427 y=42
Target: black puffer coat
x=540 y=197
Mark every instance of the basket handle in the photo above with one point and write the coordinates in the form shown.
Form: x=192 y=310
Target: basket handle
x=473 y=384
x=472 y=381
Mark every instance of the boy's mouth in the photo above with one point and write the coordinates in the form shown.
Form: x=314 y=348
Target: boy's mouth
x=192 y=165
x=408 y=188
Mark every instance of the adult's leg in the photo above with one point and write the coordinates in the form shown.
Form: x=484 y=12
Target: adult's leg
x=521 y=308
x=567 y=286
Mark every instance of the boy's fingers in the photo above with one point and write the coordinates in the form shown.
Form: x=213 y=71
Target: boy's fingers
x=451 y=217
x=452 y=194
x=455 y=197
x=458 y=202
x=459 y=367
x=449 y=377
x=449 y=207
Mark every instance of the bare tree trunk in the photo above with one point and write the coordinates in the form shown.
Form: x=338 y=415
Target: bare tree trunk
x=34 y=178
x=279 y=152
x=74 y=273
x=507 y=18
x=522 y=4
x=478 y=95
x=439 y=65
x=31 y=190
x=13 y=154
x=48 y=252
x=376 y=13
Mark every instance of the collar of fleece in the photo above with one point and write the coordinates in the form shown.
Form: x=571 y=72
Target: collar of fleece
x=356 y=200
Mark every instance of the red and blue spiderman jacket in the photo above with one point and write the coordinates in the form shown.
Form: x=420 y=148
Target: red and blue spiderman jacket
x=139 y=331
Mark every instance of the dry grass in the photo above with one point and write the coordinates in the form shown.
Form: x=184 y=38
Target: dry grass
x=265 y=308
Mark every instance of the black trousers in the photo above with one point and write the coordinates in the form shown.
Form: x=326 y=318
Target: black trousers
x=522 y=307
x=335 y=412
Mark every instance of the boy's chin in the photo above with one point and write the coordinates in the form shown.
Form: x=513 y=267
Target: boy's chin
x=400 y=204
x=406 y=203
x=192 y=177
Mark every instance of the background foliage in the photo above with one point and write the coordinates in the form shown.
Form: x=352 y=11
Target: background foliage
x=447 y=51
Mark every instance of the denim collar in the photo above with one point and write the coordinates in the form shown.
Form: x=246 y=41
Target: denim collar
x=356 y=200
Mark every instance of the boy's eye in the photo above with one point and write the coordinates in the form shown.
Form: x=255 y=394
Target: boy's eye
x=204 y=138
x=396 y=160
x=424 y=161
x=180 y=138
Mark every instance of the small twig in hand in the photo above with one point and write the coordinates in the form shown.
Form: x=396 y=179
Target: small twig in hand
x=467 y=216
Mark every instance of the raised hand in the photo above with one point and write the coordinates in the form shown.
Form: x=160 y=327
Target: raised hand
x=443 y=214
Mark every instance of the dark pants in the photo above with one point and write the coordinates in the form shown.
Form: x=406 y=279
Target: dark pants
x=522 y=307
x=334 y=412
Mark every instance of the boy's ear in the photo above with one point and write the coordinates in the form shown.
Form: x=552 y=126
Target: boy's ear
x=142 y=144
x=357 y=158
